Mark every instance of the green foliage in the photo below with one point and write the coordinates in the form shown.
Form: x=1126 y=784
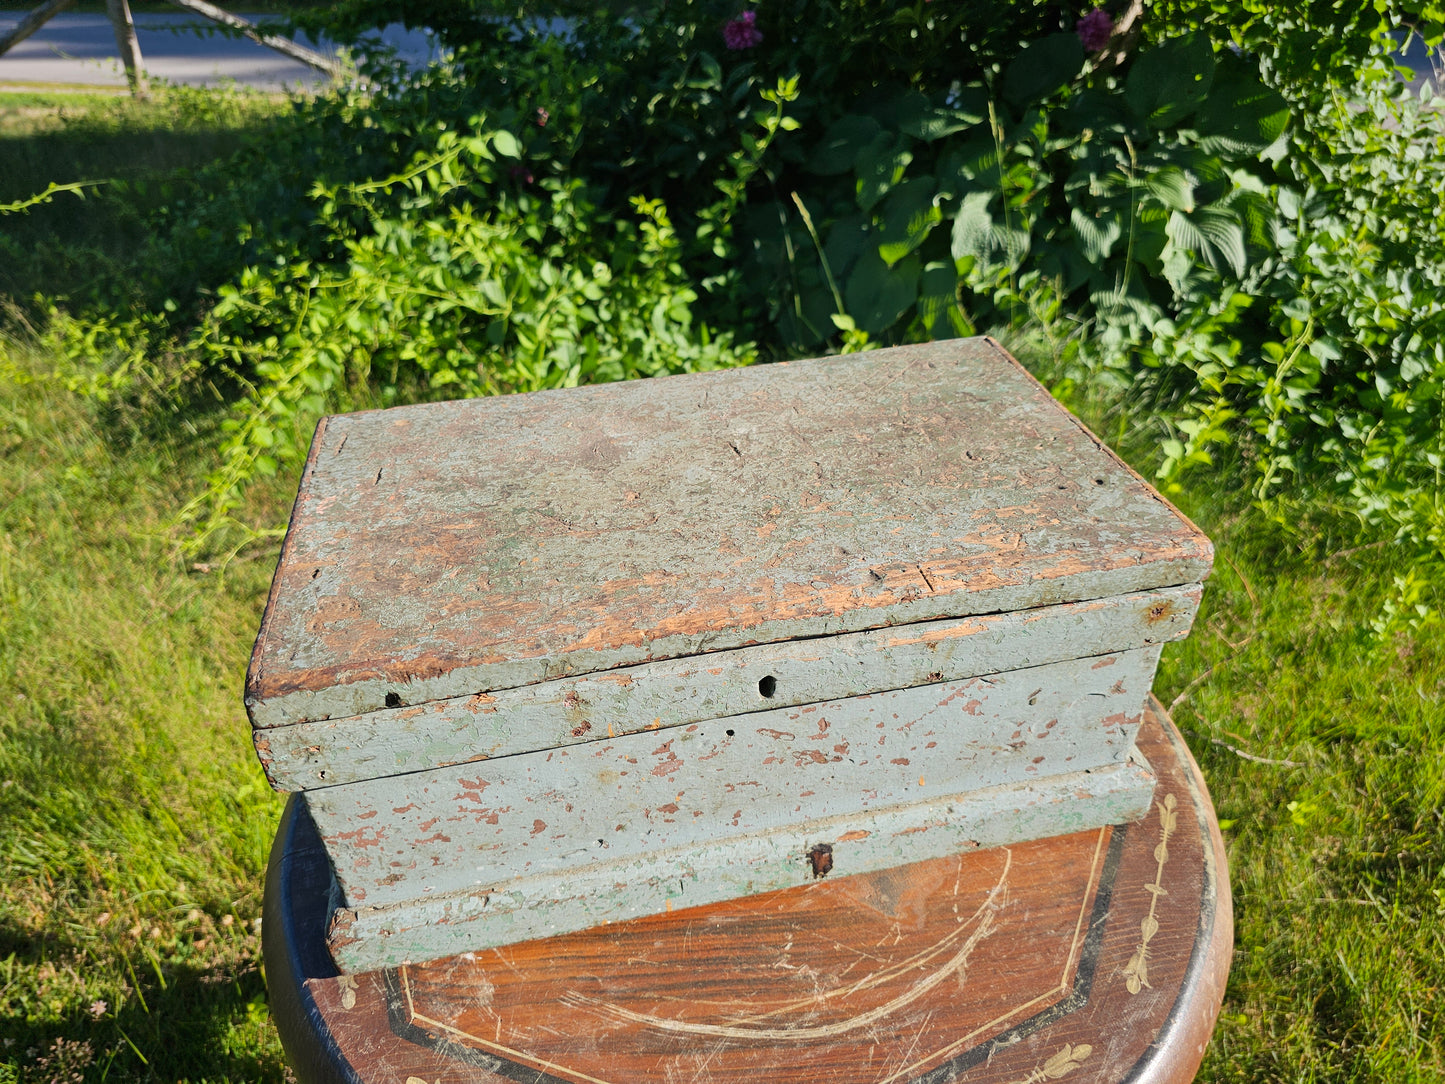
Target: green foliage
x=435 y=297
x=1317 y=735
x=51 y=191
x=1233 y=211
x=1334 y=834
x=1272 y=286
x=1130 y=198
x=453 y=271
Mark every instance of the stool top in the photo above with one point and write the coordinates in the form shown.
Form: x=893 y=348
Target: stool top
x=453 y=548
x=1094 y=957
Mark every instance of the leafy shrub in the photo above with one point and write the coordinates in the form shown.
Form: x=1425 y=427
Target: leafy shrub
x=1230 y=214
x=441 y=298
x=422 y=261
x=1269 y=287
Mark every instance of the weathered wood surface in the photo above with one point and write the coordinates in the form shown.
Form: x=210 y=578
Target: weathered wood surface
x=454 y=548
x=721 y=684
x=366 y=938
x=563 y=839
x=1090 y=958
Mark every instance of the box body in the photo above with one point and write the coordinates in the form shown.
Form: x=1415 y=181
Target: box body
x=550 y=660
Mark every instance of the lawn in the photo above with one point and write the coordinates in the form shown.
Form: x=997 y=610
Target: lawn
x=134 y=820
x=142 y=150
x=135 y=823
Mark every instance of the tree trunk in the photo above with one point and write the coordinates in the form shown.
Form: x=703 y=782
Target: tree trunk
x=128 y=46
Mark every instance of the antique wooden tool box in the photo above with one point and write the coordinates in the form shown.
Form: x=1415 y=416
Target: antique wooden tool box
x=547 y=661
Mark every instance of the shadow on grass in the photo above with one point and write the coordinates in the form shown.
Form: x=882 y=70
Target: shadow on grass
x=195 y=183
x=178 y=1021
x=163 y=224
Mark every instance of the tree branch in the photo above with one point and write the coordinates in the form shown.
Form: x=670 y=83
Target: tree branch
x=271 y=41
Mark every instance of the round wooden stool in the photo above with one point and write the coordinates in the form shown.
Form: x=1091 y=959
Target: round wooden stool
x=1097 y=956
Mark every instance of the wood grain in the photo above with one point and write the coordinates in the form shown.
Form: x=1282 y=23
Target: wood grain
x=455 y=548
x=1097 y=956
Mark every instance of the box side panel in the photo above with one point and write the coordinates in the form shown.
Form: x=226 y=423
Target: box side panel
x=729 y=867
x=546 y=813
x=717 y=685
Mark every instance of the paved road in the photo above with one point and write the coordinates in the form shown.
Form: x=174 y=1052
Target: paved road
x=81 y=49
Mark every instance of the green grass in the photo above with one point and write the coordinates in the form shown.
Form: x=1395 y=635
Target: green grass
x=1337 y=848
x=145 y=152
x=1318 y=721
x=51 y=134
x=48 y=96
x=134 y=820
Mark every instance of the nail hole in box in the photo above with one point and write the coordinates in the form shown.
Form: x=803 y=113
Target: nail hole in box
x=768 y=686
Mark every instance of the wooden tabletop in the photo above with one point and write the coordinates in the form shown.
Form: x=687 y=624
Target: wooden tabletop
x=1098 y=956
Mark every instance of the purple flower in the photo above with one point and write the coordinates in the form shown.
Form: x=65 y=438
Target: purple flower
x=542 y=117
x=742 y=32
x=1094 y=30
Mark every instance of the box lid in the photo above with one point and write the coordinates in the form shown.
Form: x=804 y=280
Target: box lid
x=453 y=548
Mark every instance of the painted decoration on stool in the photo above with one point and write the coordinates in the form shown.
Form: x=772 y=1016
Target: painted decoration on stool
x=994 y=967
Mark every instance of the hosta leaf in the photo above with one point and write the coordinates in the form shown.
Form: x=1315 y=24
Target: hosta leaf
x=975 y=160
x=1172 y=187
x=1225 y=234
x=880 y=167
x=1242 y=115
x=976 y=233
x=938 y=301
x=1042 y=67
x=804 y=319
x=846 y=240
x=877 y=295
x=920 y=118
x=1170 y=81
x=1061 y=261
x=972 y=226
x=844 y=140
x=909 y=215
x=1096 y=234
x=1211 y=235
